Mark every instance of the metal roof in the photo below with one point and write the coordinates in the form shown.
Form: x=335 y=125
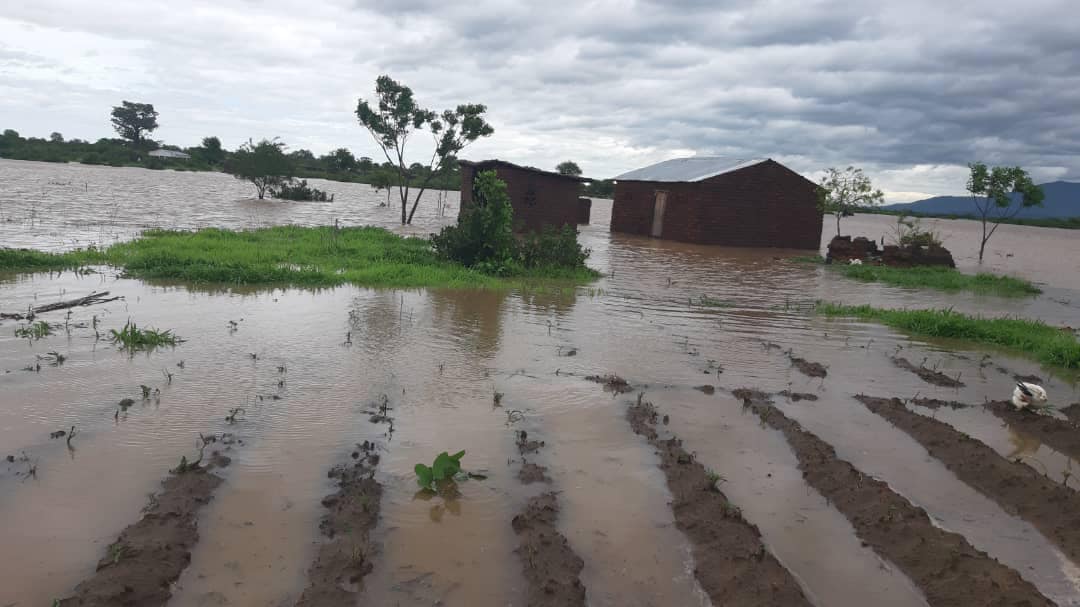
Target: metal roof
x=694 y=168
x=169 y=154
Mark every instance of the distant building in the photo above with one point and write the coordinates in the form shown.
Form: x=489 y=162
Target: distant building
x=538 y=197
x=720 y=201
x=169 y=154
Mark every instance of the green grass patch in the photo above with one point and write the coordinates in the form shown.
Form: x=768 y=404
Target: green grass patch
x=1047 y=344
x=132 y=338
x=941 y=278
x=34 y=331
x=285 y=255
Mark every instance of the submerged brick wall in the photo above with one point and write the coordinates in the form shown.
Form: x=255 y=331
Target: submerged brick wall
x=764 y=205
x=538 y=199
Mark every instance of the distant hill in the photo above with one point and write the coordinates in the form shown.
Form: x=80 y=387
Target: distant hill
x=1062 y=201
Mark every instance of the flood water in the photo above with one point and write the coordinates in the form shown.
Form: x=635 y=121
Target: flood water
x=438 y=357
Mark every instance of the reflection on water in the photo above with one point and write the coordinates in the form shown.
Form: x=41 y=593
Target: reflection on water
x=438 y=356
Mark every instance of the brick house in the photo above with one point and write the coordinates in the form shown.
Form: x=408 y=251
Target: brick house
x=710 y=200
x=539 y=197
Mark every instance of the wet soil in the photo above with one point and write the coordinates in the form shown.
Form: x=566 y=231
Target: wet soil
x=533 y=473
x=706 y=388
x=552 y=569
x=937 y=403
x=1072 y=412
x=1051 y=508
x=943 y=565
x=141 y=565
x=810 y=369
x=336 y=576
x=612 y=383
x=797 y=396
x=1060 y=435
x=929 y=376
x=731 y=561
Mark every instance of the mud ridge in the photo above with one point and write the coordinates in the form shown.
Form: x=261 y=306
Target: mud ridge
x=731 y=562
x=929 y=376
x=937 y=403
x=1052 y=508
x=947 y=569
x=140 y=567
x=336 y=575
x=1060 y=435
x=797 y=396
x=1072 y=412
x=810 y=369
x=611 y=383
x=551 y=567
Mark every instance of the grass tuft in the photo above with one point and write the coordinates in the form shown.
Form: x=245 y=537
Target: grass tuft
x=941 y=278
x=1047 y=344
x=284 y=255
x=34 y=331
x=132 y=338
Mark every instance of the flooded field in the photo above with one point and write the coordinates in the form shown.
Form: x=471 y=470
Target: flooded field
x=311 y=379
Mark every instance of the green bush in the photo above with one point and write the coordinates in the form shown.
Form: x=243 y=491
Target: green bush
x=300 y=190
x=553 y=247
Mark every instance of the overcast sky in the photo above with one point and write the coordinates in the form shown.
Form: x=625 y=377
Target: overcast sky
x=910 y=90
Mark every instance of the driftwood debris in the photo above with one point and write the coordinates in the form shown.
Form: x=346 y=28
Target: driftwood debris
x=89 y=300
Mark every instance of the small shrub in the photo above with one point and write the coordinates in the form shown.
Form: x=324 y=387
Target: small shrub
x=36 y=330
x=299 y=190
x=133 y=338
x=553 y=247
x=443 y=468
x=910 y=233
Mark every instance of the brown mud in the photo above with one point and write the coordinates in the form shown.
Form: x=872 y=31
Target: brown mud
x=611 y=383
x=797 y=396
x=1058 y=434
x=947 y=569
x=141 y=565
x=937 y=403
x=551 y=567
x=810 y=369
x=731 y=561
x=929 y=376
x=336 y=575
x=1072 y=412
x=706 y=388
x=1050 y=507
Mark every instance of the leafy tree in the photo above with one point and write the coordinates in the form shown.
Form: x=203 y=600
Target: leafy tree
x=56 y=137
x=212 y=151
x=131 y=120
x=382 y=179
x=842 y=192
x=994 y=192
x=264 y=164
x=394 y=116
x=365 y=164
x=568 y=168
x=341 y=160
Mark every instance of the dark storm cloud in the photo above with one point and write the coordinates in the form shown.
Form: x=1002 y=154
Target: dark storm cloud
x=911 y=90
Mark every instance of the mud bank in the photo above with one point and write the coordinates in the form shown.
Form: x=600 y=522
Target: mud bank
x=550 y=566
x=141 y=565
x=1072 y=412
x=336 y=576
x=1060 y=435
x=945 y=567
x=1051 y=508
x=810 y=369
x=797 y=396
x=732 y=564
x=929 y=376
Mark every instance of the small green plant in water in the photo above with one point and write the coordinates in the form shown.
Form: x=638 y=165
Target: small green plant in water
x=132 y=338
x=35 y=331
x=443 y=468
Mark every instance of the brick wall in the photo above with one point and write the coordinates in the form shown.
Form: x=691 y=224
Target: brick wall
x=764 y=205
x=538 y=199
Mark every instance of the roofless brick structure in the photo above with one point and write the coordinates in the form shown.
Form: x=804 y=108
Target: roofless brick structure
x=720 y=201
x=539 y=197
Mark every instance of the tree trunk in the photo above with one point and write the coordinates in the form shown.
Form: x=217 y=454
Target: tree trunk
x=838 y=223
x=982 y=244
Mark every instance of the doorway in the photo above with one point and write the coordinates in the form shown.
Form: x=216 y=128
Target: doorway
x=658 y=214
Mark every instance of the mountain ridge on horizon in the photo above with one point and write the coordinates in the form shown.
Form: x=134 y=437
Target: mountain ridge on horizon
x=1062 y=201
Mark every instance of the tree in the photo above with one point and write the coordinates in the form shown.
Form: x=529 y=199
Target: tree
x=212 y=151
x=341 y=160
x=381 y=179
x=842 y=192
x=264 y=164
x=56 y=137
x=131 y=120
x=568 y=168
x=994 y=192
x=395 y=116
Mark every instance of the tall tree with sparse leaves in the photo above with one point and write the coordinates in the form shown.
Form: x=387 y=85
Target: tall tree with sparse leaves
x=841 y=192
x=568 y=168
x=131 y=120
x=264 y=164
x=999 y=193
x=394 y=116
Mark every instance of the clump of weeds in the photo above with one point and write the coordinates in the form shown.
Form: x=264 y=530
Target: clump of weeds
x=231 y=417
x=497 y=398
x=442 y=471
x=54 y=358
x=34 y=331
x=132 y=338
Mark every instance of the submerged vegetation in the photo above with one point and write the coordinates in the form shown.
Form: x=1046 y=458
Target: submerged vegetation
x=941 y=278
x=1047 y=344
x=312 y=257
x=444 y=468
x=35 y=330
x=132 y=338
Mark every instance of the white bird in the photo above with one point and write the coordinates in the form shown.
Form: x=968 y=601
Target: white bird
x=855 y=262
x=1027 y=395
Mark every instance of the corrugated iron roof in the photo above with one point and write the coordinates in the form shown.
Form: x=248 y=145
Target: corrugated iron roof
x=694 y=168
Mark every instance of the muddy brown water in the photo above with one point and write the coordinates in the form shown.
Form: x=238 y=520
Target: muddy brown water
x=439 y=356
